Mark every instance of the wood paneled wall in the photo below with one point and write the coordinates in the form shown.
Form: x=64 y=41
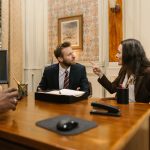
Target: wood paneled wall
x=12 y=38
x=115 y=31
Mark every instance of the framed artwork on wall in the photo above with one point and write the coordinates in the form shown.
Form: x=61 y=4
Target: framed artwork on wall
x=71 y=29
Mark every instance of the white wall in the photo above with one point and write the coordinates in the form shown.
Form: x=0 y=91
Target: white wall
x=35 y=14
x=145 y=25
x=137 y=21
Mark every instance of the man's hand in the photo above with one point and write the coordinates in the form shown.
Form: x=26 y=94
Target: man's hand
x=8 y=99
x=78 y=89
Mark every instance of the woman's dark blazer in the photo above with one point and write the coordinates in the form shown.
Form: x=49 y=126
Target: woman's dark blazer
x=142 y=84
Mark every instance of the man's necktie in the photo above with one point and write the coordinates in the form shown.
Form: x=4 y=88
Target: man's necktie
x=66 y=80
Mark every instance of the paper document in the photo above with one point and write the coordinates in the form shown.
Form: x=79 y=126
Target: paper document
x=66 y=92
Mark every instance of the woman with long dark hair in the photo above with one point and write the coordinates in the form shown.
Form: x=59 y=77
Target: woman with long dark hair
x=134 y=73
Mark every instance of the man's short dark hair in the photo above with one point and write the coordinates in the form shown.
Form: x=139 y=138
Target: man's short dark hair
x=58 y=50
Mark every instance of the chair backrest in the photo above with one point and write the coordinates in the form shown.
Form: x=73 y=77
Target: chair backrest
x=90 y=89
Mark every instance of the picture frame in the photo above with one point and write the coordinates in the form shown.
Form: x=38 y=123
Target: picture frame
x=71 y=29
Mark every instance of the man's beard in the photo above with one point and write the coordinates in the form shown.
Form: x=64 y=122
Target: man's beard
x=68 y=64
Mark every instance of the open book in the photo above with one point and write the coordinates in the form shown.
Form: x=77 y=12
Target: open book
x=66 y=92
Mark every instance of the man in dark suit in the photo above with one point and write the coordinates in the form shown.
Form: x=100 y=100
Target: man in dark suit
x=65 y=74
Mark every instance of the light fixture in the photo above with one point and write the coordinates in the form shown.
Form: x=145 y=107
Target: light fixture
x=114 y=6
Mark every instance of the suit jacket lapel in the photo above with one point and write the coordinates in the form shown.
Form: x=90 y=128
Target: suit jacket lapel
x=138 y=82
x=122 y=77
x=56 y=76
x=71 y=76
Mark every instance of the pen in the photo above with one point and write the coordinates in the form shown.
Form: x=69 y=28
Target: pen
x=59 y=92
x=16 y=81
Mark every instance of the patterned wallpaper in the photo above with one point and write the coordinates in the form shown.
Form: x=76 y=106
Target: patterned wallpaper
x=89 y=10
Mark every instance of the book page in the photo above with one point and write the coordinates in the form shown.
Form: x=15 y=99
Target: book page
x=66 y=92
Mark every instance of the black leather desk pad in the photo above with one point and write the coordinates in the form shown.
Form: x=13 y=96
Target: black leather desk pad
x=57 y=98
x=51 y=123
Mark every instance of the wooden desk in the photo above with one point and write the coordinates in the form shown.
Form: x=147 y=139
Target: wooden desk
x=130 y=131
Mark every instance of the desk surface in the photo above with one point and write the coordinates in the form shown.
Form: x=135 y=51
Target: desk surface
x=112 y=132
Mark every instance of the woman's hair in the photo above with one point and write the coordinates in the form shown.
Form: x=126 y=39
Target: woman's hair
x=133 y=56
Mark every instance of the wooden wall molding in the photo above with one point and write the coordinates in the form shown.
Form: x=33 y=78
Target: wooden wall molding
x=115 y=31
x=12 y=37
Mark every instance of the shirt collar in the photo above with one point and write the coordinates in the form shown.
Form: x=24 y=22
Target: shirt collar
x=62 y=70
